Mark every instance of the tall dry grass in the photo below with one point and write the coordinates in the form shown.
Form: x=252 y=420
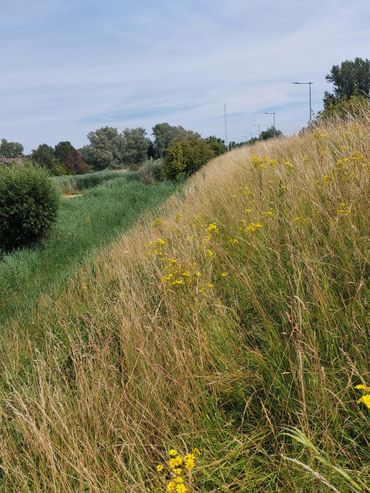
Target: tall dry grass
x=219 y=337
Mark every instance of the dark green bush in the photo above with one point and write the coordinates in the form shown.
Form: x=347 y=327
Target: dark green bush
x=185 y=157
x=28 y=206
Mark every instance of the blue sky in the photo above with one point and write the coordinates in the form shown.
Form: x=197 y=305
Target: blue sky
x=71 y=66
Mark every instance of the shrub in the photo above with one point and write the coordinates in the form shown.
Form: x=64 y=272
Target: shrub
x=185 y=157
x=28 y=206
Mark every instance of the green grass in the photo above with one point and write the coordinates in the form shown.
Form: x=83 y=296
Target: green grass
x=85 y=223
x=77 y=183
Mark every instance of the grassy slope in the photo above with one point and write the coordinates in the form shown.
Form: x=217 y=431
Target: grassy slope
x=131 y=364
x=84 y=224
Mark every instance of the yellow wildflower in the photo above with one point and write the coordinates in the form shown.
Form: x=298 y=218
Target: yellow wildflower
x=365 y=399
x=256 y=161
x=252 y=227
x=234 y=241
x=160 y=242
x=186 y=274
x=362 y=387
x=159 y=468
x=224 y=274
x=181 y=488
x=327 y=178
x=177 y=471
x=343 y=209
x=247 y=210
x=175 y=462
x=167 y=278
x=171 y=486
x=178 y=282
x=189 y=462
x=209 y=253
x=195 y=451
x=213 y=228
x=272 y=162
x=289 y=164
x=179 y=480
x=158 y=221
x=269 y=213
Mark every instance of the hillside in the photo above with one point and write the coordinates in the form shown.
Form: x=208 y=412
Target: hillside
x=234 y=323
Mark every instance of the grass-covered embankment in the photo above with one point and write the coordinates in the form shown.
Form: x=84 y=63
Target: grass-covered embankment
x=244 y=316
x=84 y=224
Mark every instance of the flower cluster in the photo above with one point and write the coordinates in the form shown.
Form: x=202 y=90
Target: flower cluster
x=365 y=399
x=343 y=209
x=175 y=474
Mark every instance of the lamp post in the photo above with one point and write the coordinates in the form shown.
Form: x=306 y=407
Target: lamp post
x=273 y=113
x=259 y=128
x=309 y=84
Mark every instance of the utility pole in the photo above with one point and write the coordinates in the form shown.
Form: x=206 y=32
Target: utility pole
x=226 y=137
x=309 y=95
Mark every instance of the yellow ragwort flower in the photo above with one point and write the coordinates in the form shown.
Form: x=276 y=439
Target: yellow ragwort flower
x=343 y=209
x=289 y=164
x=189 y=462
x=175 y=462
x=365 y=399
x=178 y=282
x=209 y=253
x=252 y=227
x=173 y=452
x=181 y=488
x=224 y=274
x=234 y=241
x=171 y=487
x=159 y=468
x=257 y=161
x=361 y=386
x=213 y=228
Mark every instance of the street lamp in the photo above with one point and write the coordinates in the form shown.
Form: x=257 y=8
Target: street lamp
x=259 y=128
x=273 y=113
x=309 y=84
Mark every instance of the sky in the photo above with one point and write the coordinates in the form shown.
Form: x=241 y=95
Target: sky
x=69 y=67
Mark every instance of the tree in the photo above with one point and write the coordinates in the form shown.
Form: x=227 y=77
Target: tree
x=165 y=134
x=350 y=78
x=105 y=149
x=186 y=156
x=217 y=145
x=71 y=158
x=135 y=145
x=44 y=155
x=10 y=149
x=270 y=133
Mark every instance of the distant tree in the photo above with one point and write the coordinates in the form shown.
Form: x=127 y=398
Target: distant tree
x=270 y=133
x=217 y=145
x=44 y=155
x=105 y=149
x=10 y=149
x=186 y=156
x=165 y=134
x=71 y=158
x=350 y=78
x=135 y=145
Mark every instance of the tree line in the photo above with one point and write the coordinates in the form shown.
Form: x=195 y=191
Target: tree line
x=181 y=151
